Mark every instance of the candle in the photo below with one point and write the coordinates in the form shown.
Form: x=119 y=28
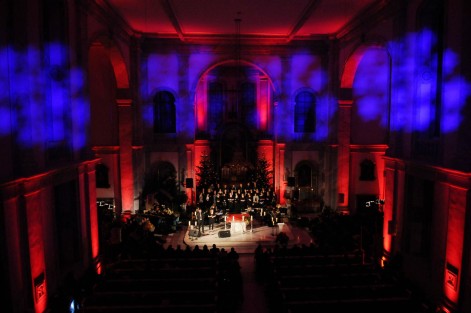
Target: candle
x=232 y=217
x=251 y=217
x=189 y=223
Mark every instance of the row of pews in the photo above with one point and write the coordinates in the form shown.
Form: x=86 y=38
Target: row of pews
x=334 y=283
x=167 y=285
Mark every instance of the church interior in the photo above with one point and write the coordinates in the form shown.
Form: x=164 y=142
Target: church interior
x=321 y=139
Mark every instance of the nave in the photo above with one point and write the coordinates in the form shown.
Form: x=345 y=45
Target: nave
x=249 y=272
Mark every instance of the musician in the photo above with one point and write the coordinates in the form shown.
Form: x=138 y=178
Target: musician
x=256 y=199
x=208 y=201
x=236 y=204
x=219 y=199
x=201 y=197
x=262 y=198
x=231 y=201
x=248 y=198
x=212 y=217
x=242 y=203
x=200 y=220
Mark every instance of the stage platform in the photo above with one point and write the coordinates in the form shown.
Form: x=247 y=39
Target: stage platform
x=243 y=242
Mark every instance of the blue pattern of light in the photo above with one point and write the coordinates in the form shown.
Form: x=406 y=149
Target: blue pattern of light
x=49 y=102
x=42 y=97
x=413 y=81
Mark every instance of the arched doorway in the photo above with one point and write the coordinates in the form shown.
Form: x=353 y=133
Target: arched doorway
x=307 y=194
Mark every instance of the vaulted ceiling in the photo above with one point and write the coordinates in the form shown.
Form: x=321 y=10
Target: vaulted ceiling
x=273 y=20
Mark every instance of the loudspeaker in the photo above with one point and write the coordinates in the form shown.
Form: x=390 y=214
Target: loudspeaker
x=291 y=181
x=189 y=183
x=224 y=233
x=194 y=233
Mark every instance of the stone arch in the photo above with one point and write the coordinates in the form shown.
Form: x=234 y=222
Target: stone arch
x=241 y=63
x=116 y=59
x=353 y=61
x=264 y=102
x=109 y=81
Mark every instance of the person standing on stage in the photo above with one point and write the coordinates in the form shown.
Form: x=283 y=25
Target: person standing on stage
x=231 y=200
x=256 y=199
x=208 y=201
x=242 y=202
x=211 y=217
x=236 y=203
x=200 y=221
x=248 y=198
x=202 y=199
x=219 y=200
x=262 y=198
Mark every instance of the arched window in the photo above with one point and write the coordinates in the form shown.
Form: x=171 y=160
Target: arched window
x=164 y=113
x=305 y=113
x=367 y=170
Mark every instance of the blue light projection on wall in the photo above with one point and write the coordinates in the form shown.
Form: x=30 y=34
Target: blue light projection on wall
x=46 y=102
x=57 y=92
x=42 y=98
x=5 y=117
x=371 y=87
x=407 y=108
x=455 y=92
x=308 y=73
x=414 y=85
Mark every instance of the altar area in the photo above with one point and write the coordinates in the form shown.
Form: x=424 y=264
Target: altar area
x=244 y=240
x=238 y=223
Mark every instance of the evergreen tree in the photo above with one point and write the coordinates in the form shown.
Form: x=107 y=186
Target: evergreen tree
x=261 y=173
x=207 y=174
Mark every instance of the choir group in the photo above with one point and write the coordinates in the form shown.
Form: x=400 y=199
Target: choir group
x=236 y=199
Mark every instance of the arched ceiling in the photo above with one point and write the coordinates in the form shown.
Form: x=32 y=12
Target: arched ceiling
x=272 y=20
